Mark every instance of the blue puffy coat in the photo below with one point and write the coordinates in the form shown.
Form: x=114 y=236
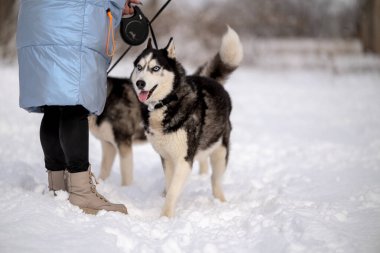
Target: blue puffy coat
x=62 y=55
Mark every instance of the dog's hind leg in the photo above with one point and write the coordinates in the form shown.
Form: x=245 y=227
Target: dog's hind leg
x=181 y=173
x=218 y=164
x=109 y=153
x=126 y=163
x=203 y=166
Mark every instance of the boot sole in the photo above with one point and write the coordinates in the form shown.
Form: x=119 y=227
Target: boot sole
x=89 y=210
x=95 y=211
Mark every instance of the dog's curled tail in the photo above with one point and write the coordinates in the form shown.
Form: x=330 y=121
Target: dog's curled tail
x=226 y=60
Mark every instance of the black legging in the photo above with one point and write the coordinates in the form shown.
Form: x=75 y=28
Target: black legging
x=64 y=138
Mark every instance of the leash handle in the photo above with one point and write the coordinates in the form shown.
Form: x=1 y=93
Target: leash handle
x=127 y=50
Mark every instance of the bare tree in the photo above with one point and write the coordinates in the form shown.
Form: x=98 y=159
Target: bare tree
x=370 y=25
x=8 y=17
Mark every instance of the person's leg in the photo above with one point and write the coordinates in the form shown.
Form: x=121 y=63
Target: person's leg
x=53 y=154
x=74 y=136
x=49 y=136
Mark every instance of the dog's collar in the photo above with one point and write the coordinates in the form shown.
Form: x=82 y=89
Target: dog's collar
x=161 y=103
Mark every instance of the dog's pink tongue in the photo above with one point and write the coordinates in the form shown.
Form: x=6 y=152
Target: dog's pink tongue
x=143 y=96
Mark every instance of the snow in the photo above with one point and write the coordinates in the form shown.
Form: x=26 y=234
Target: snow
x=304 y=176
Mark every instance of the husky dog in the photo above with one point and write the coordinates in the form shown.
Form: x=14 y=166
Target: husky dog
x=186 y=118
x=117 y=127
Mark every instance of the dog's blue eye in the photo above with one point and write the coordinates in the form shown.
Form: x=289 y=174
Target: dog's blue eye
x=139 y=67
x=156 y=68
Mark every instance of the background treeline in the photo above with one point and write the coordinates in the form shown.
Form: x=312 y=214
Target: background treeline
x=197 y=25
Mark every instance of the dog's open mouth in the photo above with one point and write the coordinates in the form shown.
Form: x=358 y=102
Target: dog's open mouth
x=144 y=95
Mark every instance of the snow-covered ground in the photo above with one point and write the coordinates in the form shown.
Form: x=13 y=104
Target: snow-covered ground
x=304 y=176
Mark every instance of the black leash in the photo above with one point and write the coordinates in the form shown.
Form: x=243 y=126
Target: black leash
x=151 y=32
x=118 y=60
x=154 y=18
x=159 y=11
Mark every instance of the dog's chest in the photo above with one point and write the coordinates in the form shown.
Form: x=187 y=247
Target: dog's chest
x=172 y=144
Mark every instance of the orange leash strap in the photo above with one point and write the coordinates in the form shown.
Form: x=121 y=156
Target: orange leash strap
x=110 y=35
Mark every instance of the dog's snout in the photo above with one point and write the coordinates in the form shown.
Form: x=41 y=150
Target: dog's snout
x=140 y=84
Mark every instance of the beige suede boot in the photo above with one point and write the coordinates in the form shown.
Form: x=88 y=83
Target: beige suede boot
x=56 y=180
x=84 y=195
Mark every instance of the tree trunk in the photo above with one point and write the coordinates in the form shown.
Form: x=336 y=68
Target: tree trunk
x=376 y=26
x=8 y=17
x=370 y=25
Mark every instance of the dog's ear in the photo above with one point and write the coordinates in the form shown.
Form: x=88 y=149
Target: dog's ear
x=149 y=45
x=170 y=49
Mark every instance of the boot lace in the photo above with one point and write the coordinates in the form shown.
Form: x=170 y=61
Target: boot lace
x=93 y=187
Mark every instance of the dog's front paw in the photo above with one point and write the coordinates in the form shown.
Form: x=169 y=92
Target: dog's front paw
x=126 y=181
x=219 y=195
x=167 y=212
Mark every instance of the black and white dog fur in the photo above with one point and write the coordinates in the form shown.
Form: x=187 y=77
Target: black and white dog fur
x=119 y=125
x=186 y=118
